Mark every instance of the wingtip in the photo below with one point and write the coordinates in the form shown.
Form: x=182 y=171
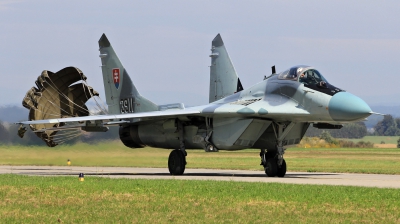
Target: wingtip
x=103 y=42
x=217 y=41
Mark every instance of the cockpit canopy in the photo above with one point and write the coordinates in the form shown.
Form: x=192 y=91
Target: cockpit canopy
x=310 y=77
x=302 y=73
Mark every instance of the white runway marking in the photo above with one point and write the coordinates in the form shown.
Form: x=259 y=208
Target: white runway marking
x=344 y=179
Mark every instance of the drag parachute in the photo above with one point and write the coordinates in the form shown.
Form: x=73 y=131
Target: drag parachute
x=58 y=95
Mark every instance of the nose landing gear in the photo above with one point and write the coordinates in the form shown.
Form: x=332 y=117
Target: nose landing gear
x=273 y=162
x=269 y=161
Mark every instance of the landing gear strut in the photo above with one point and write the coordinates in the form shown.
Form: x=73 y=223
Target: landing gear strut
x=177 y=158
x=273 y=162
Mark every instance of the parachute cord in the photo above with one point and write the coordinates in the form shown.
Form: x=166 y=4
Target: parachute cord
x=57 y=138
x=84 y=91
x=63 y=102
x=66 y=97
x=69 y=100
x=45 y=113
x=63 y=132
x=66 y=132
x=66 y=139
x=58 y=107
x=100 y=107
x=65 y=135
x=103 y=105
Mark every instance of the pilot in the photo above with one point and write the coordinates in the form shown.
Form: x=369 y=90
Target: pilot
x=303 y=77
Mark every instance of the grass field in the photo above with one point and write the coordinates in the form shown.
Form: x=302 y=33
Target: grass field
x=382 y=161
x=378 y=139
x=26 y=199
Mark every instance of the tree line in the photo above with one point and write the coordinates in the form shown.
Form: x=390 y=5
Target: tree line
x=388 y=126
x=351 y=130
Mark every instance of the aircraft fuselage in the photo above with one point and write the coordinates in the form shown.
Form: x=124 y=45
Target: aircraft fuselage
x=245 y=119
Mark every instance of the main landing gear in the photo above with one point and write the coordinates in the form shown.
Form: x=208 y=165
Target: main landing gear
x=177 y=158
x=273 y=162
x=177 y=162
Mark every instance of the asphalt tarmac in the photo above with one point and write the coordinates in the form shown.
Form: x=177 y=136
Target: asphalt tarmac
x=344 y=179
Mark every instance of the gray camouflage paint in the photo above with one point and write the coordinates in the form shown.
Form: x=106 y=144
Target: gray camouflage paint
x=223 y=77
x=127 y=91
x=237 y=121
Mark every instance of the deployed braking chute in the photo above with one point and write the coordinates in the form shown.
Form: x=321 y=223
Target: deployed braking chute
x=58 y=95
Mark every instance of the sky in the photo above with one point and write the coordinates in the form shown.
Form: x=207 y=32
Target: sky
x=165 y=45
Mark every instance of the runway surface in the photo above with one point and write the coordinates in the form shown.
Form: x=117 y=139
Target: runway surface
x=345 y=179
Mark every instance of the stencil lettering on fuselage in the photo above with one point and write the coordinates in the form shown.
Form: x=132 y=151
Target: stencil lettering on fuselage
x=127 y=105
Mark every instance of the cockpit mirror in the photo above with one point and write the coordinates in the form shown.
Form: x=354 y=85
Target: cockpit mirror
x=323 y=84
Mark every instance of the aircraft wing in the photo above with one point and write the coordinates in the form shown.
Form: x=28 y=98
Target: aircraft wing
x=211 y=110
x=117 y=117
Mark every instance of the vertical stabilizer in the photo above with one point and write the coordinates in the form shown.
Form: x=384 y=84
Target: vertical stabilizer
x=121 y=94
x=223 y=78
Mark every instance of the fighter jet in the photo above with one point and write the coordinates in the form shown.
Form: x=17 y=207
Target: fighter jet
x=270 y=115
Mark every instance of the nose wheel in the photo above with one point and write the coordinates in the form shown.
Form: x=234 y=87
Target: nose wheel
x=272 y=160
x=272 y=169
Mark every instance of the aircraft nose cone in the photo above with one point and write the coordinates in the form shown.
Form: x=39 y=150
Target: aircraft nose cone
x=344 y=106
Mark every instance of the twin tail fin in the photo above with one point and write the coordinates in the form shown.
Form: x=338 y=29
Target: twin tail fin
x=224 y=80
x=121 y=94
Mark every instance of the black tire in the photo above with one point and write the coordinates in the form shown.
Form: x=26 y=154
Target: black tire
x=268 y=155
x=282 y=169
x=271 y=167
x=176 y=162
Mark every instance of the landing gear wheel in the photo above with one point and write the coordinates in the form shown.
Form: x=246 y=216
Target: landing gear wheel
x=271 y=167
x=282 y=169
x=176 y=162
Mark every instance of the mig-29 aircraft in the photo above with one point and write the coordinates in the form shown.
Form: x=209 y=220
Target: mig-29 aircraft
x=269 y=115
